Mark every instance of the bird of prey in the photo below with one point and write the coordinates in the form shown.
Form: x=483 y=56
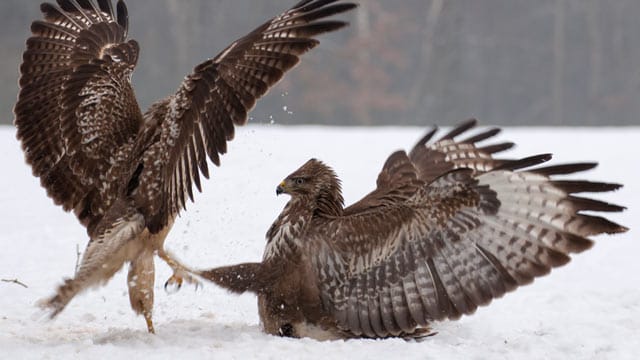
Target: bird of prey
x=448 y=228
x=127 y=174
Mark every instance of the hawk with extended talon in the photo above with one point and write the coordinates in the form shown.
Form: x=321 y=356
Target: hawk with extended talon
x=448 y=229
x=126 y=174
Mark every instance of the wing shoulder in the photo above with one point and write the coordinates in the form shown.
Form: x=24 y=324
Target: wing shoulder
x=403 y=174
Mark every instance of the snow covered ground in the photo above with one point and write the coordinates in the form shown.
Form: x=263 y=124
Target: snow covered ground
x=589 y=309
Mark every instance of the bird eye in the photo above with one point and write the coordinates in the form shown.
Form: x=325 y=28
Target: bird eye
x=299 y=181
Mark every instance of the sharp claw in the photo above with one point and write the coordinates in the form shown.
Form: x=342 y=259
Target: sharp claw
x=180 y=274
x=173 y=285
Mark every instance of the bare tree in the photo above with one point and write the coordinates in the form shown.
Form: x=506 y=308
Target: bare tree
x=417 y=93
x=401 y=62
x=557 y=90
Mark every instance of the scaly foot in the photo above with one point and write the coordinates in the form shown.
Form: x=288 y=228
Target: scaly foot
x=180 y=274
x=147 y=318
x=174 y=283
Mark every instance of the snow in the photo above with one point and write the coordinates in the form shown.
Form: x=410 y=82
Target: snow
x=589 y=309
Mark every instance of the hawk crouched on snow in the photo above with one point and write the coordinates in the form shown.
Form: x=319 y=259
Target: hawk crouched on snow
x=126 y=174
x=448 y=229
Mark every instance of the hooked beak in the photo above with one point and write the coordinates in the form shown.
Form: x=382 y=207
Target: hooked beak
x=280 y=189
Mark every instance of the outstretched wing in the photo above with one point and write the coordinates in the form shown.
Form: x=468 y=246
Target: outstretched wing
x=466 y=238
x=403 y=173
x=199 y=119
x=76 y=109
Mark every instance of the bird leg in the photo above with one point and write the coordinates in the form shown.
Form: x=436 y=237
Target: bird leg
x=140 y=280
x=147 y=318
x=181 y=273
x=103 y=257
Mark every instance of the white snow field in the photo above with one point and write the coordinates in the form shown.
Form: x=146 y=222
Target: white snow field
x=589 y=309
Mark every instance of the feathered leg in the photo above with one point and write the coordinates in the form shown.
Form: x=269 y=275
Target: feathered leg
x=140 y=280
x=104 y=256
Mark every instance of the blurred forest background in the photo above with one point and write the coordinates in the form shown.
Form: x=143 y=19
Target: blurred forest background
x=414 y=62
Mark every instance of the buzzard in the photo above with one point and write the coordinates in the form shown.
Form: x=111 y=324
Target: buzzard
x=448 y=228
x=127 y=174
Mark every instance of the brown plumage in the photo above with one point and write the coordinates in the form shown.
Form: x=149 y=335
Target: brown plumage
x=448 y=229
x=126 y=174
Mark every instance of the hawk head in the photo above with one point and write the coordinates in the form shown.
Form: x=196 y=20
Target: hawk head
x=315 y=182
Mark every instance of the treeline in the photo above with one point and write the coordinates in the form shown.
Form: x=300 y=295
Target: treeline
x=506 y=62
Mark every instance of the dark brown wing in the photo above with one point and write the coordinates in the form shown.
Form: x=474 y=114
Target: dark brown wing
x=449 y=153
x=76 y=109
x=466 y=238
x=397 y=181
x=199 y=119
x=402 y=173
